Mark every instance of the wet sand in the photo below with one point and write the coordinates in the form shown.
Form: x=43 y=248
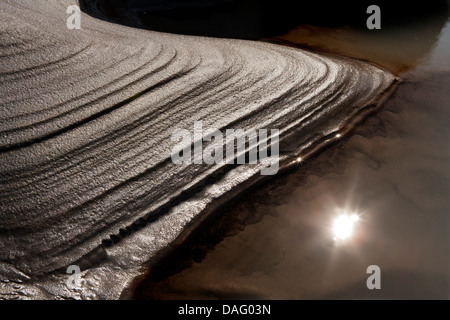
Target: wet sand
x=86 y=175
x=276 y=241
x=86 y=180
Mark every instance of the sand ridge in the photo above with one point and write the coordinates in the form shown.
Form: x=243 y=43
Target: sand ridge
x=87 y=117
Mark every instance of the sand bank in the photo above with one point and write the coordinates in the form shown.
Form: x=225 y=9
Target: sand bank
x=85 y=141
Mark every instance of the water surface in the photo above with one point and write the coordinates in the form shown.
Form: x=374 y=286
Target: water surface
x=276 y=241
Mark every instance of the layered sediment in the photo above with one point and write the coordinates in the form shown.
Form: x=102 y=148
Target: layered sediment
x=86 y=122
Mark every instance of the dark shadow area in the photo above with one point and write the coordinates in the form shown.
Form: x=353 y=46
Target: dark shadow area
x=227 y=221
x=253 y=19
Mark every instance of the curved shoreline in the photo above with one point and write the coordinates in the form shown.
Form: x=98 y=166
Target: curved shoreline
x=77 y=172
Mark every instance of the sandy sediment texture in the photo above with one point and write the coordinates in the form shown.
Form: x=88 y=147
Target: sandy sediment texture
x=87 y=117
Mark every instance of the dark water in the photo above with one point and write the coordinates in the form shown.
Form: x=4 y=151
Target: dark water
x=276 y=241
x=257 y=19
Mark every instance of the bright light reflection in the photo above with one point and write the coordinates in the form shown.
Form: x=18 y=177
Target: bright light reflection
x=343 y=226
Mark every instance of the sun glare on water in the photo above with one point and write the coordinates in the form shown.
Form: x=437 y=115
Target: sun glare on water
x=343 y=226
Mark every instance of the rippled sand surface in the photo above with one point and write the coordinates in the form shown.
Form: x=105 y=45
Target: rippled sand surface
x=276 y=241
x=85 y=137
